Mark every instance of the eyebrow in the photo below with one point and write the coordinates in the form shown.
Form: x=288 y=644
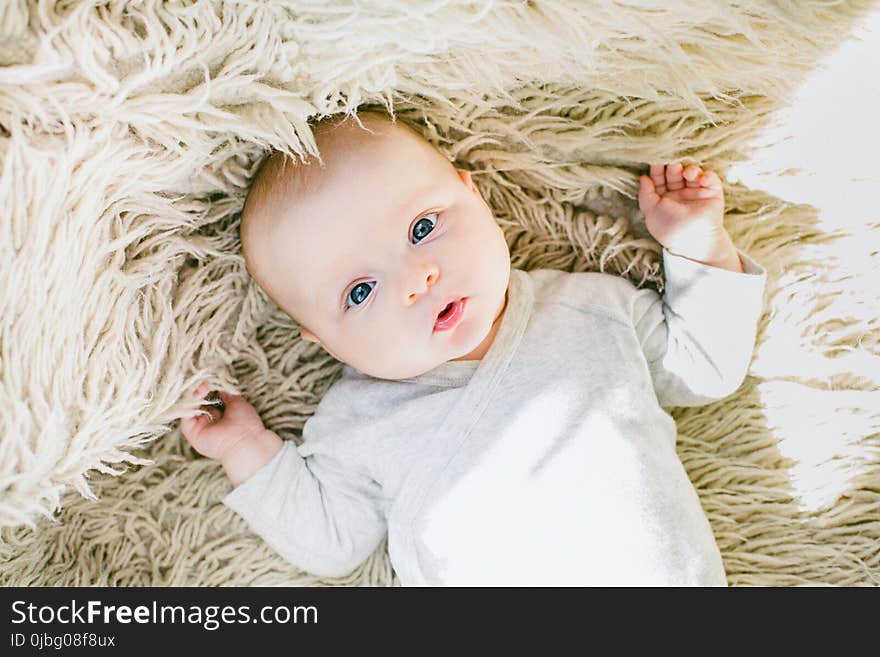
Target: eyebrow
x=337 y=292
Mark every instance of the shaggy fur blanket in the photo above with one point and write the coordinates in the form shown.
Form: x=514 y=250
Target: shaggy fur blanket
x=129 y=131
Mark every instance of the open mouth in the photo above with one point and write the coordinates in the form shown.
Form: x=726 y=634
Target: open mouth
x=450 y=316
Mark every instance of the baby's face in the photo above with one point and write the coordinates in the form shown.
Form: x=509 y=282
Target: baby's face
x=392 y=236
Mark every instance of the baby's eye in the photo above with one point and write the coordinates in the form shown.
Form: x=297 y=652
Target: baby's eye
x=359 y=292
x=424 y=226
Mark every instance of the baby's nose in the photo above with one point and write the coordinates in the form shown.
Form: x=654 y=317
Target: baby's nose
x=424 y=279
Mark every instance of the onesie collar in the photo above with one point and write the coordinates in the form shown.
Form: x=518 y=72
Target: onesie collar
x=456 y=373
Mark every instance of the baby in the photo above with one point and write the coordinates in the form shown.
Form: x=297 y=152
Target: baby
x=503 y=427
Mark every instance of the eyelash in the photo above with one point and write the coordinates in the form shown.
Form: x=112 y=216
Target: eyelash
x=346 y=306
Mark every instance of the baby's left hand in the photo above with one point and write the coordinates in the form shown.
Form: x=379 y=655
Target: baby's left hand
x=684 y=211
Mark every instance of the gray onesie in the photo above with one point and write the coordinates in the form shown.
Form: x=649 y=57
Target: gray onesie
x=548 y=462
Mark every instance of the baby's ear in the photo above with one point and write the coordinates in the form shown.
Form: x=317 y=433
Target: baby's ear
x=466 y=178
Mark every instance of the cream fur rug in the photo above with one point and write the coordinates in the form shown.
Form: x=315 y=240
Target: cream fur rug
x=129 y=130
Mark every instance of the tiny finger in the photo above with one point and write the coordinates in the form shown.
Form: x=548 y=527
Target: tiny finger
x=691 y=175
x=674 y=180
x=711 y=180
x=190 y=426
x=648 y=197
x=658 y=177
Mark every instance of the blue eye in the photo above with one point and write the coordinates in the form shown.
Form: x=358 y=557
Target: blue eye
x=359 y=293
x=423 y=227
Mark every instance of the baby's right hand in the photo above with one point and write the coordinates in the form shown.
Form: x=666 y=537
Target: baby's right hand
x=216 y=435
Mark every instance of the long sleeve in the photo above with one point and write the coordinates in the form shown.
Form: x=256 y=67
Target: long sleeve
x=699 y=336
x=317 y=514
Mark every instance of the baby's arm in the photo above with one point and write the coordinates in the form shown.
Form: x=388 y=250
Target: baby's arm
x=317 y=512
x=699 y=336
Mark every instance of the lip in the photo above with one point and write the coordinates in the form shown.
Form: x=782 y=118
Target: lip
x=453 y=318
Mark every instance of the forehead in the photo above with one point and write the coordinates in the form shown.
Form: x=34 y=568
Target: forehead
x=369 y=175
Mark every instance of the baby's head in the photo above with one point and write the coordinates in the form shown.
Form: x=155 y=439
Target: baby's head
x=365 y=252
